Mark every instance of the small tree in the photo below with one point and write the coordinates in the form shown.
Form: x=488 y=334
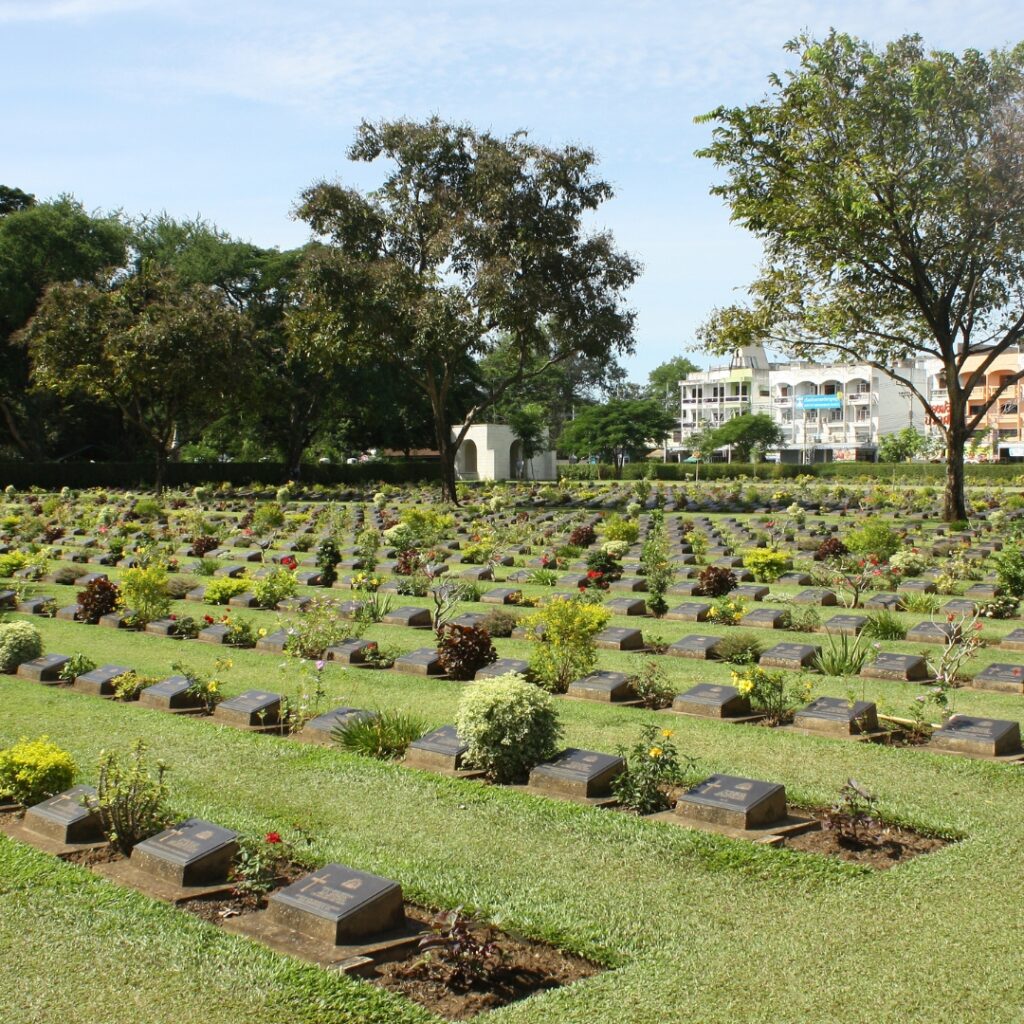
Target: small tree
x=619 y=429
x=564 y=648
x=745 y=434
x=902 y=446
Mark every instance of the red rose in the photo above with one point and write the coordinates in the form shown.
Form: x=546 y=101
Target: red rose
x=273 y=837
x=208 y=619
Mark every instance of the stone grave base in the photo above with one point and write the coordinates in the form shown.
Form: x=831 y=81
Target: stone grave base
x=772 y=835
x=123 y=872
x=14 y=828
x=277 y=729
x=586 y=801
x=348 y=959
x=994 y=686
x=727 y=720
x=872 y=736
x=1017 y=757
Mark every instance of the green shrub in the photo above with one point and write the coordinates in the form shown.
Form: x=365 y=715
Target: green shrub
x=12 y=562
x=509 y=726
x=148 y=509
x=267 y=517
x=275 y=586
x=652 y=763
x=130 y=796
x=385 y=736
x=98 y=598
x=145 y=592
x=564 y=648
x=221 y=589
x=500 y=623
x=617 y=528
x=740 y=648
x=464 y=650
x=651 y=686
x=34 y=770
x=766 y=564
x=884 y=625
x=920 y=604
x=875 y=538
x=76 y=666
x=316 y=629
x=773 y=694
x=1009 y=569
x=19 y=641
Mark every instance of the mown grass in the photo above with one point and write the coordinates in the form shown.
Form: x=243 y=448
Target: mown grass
x=692 y=927
x=696 y=927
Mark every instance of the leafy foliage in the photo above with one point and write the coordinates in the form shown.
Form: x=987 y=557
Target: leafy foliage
x=34 y=770
x=509 y=726
x=464 y=650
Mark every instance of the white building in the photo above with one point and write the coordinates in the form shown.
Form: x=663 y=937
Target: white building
x=491 y=451
x=826 y=411
x=711 y=397
x=840 y=411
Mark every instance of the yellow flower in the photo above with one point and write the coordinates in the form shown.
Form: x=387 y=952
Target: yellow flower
x=262 y=632
x=656 y=752
x=745 y=687
x=667 y=733
x=212 y=686
x=712 y=613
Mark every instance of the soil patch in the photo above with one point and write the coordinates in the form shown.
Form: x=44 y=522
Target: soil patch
x=524 y=967
x=101 y=855
x=216 y=909
x=882 y=847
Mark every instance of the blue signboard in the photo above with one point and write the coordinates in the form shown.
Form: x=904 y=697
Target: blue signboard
x=820 y=401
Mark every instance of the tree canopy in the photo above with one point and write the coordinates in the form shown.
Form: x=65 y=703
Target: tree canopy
x=887 y=186
x=471 y=241
x=616 y=430
x=663 y=382
x=747 y=435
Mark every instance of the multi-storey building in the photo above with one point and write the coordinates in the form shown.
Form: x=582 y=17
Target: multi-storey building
x=826 y=411
x=840 y=411
x=711 y=397
x=1005 y=420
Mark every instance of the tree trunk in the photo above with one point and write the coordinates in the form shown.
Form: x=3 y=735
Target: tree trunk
x=448 y=483
x=955 y=504
x=161 y=469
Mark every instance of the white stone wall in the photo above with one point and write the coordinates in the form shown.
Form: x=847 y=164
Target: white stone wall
x=487 y=453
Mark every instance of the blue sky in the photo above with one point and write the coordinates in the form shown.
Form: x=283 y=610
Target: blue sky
x=229 y=109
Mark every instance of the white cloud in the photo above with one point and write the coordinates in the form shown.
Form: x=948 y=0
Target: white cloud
x=67 y=10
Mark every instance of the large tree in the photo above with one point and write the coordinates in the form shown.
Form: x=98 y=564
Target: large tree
x=42 y=243
x=619 y=429
x=888 y=189
x=161 y=351
x=663 y=382
x=470 y=241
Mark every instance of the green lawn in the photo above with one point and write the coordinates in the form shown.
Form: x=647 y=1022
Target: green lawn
x=694 y=927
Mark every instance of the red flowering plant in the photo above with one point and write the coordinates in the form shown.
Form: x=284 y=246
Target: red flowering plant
x=266 y=860
x=289 y=562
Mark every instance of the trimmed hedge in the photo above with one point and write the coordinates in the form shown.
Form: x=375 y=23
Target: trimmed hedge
x=80 y=475
x=901 y=472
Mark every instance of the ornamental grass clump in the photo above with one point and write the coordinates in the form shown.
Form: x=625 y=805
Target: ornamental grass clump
x=34 y=770
x=19 y=642
x=385 y=736
x=509 y=726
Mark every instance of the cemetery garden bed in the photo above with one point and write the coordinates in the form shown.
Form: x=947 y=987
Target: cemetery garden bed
x=879 y=846
x=521 y=967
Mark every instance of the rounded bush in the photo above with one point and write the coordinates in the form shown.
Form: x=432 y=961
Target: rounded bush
x=34 y=770
x=19 y=641
x=508 y=725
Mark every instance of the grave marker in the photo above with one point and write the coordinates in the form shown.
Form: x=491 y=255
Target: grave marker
x=735 y=802
x=196 y=852
x=709 y=700
x=580 y=774
x=985 y=737
x=336 y=904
